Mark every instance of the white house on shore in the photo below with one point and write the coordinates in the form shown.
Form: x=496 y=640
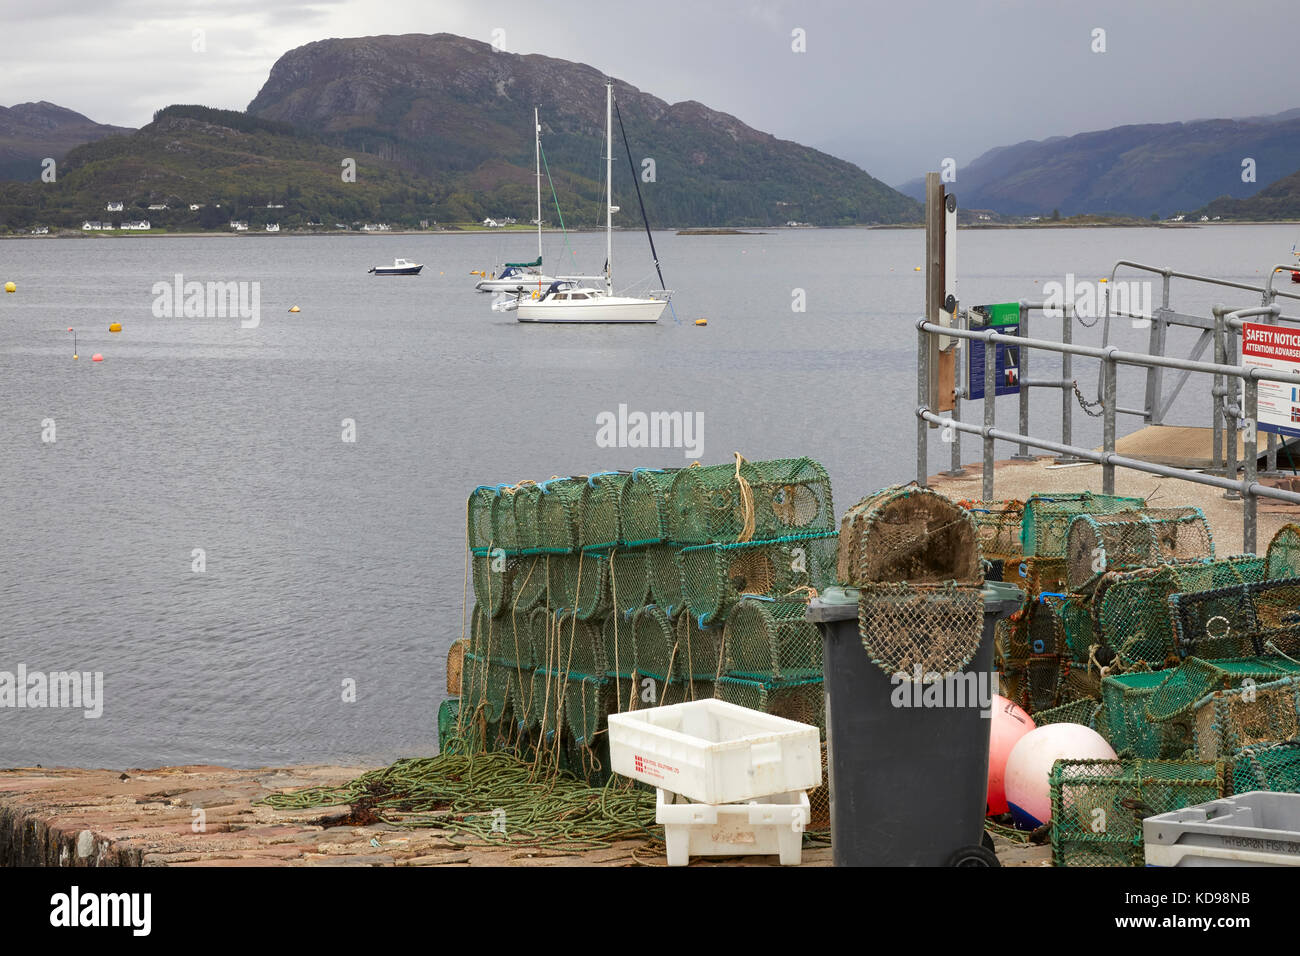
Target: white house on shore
x=113 y=207
x=272 y=227
x=92 y=225
x=158 y=207
x=238 y=226
x=141 y=225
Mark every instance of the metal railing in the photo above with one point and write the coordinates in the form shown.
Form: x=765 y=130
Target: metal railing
x=1228 y=381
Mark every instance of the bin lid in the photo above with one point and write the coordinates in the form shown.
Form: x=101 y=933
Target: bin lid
x=839 y=603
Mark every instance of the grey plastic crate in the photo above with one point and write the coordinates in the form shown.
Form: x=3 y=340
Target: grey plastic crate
x=1259 y=828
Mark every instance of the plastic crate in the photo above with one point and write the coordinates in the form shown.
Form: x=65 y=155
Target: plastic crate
x=711 y=751
x=1251 y=829
x=773 y=826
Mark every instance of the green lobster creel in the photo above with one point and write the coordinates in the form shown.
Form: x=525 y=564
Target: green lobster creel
x=505 y=533
x=546 y=705
x=526 y=500
x=473 y=685
x=654 y=639
x=1284 y=553
x=710 y=504
x=1132 y=609
x=1275 y=768
x=492 y=573
x=1042 y=687
x=529 y=582
x=1254 y=618
x=599 y=510
x=513 y=639
x=665 y=577
x=496 y=694
x=1082 y=711
x=997 y=525
x=620 y=649
x=699 y=649
x=479 y=517
x=561 y=570
x=587 y=585
x=1227 y=721
x=1098 y=805
x=587 y=702
x=792 y=496
x=919 y=631
x=770 y=640
x=714 y=577
x=679 y=691
x=1129 y=730
x=541 y=637
x=581 y=647
x=804 y=701
x=521 y=692
x=1194 y=678
x=559 y=518
x=643 y=507
x=1046 y=522
x=629 y=578
x=1134 y=539
x=908 y=533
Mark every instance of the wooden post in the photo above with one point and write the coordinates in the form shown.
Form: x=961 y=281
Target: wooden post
x=942 y=364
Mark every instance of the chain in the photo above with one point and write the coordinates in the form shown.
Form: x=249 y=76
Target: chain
x=1086 y=405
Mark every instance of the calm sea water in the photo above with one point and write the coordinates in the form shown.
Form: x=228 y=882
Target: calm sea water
x=328 y=560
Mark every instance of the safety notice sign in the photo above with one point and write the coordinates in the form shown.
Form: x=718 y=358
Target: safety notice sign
x=1274 y=347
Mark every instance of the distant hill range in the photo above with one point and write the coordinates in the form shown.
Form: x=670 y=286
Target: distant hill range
x=31 y=132
x=1281 y=200
x=1131 y=170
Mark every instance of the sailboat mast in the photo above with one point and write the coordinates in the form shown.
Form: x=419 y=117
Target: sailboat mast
x=537 y=156
x=609 y=188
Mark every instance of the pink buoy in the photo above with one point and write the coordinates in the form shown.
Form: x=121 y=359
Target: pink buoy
x=1008 y=724
x=1029 y=767
x=97 y=357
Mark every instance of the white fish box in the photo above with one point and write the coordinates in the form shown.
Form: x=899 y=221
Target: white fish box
x=774 y=826
x=712 y=751
x=1259 y=828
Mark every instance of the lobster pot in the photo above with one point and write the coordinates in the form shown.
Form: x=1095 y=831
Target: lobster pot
x=521 y=692
x=714 y=577
x=915 y=631
x=546 y=704
x=1284 y=553
x=911 y=534
x=541 y=630
x=792 y=496
x=997 y=525
x=473 y=684
x=526 y=499
x=772 y=640
x=559 y=513
x=1098 y=805
x=486 y=637
x=1046 y=522
x=492 y=573
x=1228 y=720
x=1083 y=711
x=496 y=691
x=1129 y=729
x=513 y=644
x=529 y=582
x=581 y=647
x=713 y=503
x=599 y=506
x=802 y=700
x=1134 y=539
x=1042 y=684
x=479 y=517
x=1275 y=768
x=587 y=703
x=588 y=590
x=1255 y=618
x=678 y=691
x=629 y=579
x=1136 y=613
x=456 y=665
x=654 y=637
x=620 y=650
x=505 y=533
x=665 y=578
x=643 y=507
x=1194 y=678
x=1037 y=576
x=699 y=648
x=561 y=571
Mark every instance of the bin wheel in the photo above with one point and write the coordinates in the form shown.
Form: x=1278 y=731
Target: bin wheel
x=986 y=841
x=973 y=856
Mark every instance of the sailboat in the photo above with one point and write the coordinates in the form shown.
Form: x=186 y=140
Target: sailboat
x=567 y=301
x=524 y=276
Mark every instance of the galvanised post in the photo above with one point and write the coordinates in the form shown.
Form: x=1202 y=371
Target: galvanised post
x=922 y=394
x=1248 y=516
x=1218 y=391
x=1022 y=451
x=1108 y=424
x=1067 y=376
x=990 y=407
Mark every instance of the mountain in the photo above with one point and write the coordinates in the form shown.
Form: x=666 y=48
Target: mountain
x=460 y=112
x=1130 y=170
x=30 y=132
x=1281 y=200
x=230 y=164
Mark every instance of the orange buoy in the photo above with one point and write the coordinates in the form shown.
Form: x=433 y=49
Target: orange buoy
x=97 y=357
x=115 y=327
x=701 y=321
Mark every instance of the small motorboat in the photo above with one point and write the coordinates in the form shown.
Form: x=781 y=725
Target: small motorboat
x=400 y=267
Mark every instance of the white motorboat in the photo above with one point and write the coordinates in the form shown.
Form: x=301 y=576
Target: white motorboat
x=400 y=267
x=568 y=302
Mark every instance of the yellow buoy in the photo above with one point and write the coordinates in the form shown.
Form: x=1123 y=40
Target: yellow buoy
x=701 y=321
x=1101 y=280
x=115 y=327
x=916 y=268
x=295 y=309
x=10 y=287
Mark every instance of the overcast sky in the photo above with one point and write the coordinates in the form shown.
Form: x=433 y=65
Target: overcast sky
x=894 y=87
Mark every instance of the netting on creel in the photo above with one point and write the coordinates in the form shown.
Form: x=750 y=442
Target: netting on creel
x=654 y=638
x=665 y=577
x=1194 y=678
x=1098 y=805
x=1255 y=618
x=924 y=630
x=505 y=532
x=1134 y=618
x=749 y=501
x=714 y=577
x=587 y=585
x=1134 y=539
x=456 y=665
x=1129 y=730
x=599 y=508
x=1228 y=720
x=801 y=700
x=559 y=514
x=479 y=517
x=1275 y=768
x=998 y=528
x=1046 y=522
x=588 y=702
x=629 y=578
x=643 y=506
x=908 y=533
x=525 y=501
x=772 y=640
x=529 y=584
x=1082 y=711
x=793 y=497
x=581 y=647
x=492 y=573
x=699 y=649
x=1284 y=553
x=620 y=651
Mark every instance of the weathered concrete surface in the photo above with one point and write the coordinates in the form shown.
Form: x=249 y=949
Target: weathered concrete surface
x=61 y=817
